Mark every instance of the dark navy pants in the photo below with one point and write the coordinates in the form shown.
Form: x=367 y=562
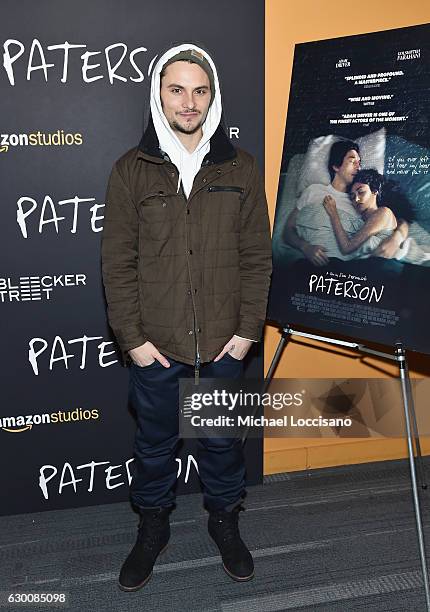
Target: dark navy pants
x=154 y=393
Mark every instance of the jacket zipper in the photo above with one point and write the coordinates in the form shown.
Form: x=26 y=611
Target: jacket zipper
x=213 y=188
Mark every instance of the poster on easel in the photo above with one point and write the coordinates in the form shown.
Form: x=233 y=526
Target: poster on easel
x=351 y=241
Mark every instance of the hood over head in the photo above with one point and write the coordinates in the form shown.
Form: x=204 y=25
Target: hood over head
x=188 y=164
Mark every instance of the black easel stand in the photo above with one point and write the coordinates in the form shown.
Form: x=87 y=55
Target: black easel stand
x=410 y=421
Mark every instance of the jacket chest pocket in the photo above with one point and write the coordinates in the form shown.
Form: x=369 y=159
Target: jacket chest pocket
x=155 y=215
x=226 y=202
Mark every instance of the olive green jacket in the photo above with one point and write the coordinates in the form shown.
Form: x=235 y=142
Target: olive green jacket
x=186 y=274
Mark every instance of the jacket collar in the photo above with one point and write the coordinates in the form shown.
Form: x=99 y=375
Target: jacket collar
x=221 y=148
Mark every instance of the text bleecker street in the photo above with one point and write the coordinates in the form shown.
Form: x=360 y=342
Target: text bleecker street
x=36 y=288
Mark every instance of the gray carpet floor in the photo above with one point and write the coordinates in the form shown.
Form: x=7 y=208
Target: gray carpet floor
x=330 y=540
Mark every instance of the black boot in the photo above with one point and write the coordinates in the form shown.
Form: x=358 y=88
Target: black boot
x=153 y=535
x=224 y=530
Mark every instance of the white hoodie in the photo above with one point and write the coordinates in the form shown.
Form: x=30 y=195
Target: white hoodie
x=188 y=164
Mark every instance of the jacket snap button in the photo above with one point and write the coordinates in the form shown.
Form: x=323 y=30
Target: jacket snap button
x=190 y=333
x=172 y=174
x=234 y=163
x=199 y=330
x=164 y=204
x=218 y=171
x=204 y=180
x=190 y=252
x=189 y=291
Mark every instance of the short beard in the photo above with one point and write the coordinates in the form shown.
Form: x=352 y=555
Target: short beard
x=179 y=128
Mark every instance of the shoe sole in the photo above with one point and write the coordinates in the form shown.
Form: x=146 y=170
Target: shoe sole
x=238 y=578
x=142 y=584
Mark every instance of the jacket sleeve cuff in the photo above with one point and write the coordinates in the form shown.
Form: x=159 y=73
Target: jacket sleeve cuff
x=129 y=338
x=250 y=329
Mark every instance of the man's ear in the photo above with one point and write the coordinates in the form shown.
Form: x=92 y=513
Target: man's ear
x=335 y=168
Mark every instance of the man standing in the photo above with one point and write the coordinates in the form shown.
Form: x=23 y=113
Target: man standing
x=186 y=259
x=343 y=165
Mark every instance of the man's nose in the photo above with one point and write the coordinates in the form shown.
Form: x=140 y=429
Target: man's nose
x=188 y=101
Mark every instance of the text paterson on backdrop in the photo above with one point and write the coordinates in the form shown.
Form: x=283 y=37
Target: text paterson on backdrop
x=352 y=228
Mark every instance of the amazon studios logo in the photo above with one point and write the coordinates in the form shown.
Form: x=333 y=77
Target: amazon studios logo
x=39 y=139
x=18 y=424
x=36 y=288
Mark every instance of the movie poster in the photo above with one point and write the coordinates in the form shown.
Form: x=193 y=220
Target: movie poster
x=351 y=241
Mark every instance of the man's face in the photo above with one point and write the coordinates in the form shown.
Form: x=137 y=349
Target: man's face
x=185 y=96
x=349 y=168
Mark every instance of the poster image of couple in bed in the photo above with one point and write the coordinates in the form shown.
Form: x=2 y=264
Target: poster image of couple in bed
x=351 y=241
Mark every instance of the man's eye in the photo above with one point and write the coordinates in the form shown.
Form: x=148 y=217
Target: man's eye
x=175 y=90
x=201 y=92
